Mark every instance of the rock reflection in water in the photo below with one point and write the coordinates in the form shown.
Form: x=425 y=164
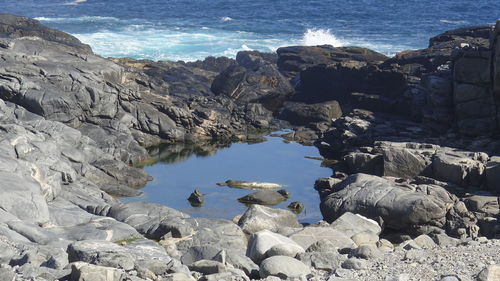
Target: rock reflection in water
x=181 y=168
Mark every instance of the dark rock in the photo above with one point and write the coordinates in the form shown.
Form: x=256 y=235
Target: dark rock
x=16 y=27
x=303 y=114
x=296 y=207
x=196 y=198
x=294 y=59
x=263 y=197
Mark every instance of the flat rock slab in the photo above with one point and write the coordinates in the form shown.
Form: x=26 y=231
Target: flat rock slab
x=311 y=235
x=257 y=218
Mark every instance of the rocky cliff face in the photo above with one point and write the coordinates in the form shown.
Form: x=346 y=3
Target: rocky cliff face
x=415 y=136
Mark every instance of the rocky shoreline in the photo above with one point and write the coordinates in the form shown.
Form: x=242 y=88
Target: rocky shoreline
x=414 y=195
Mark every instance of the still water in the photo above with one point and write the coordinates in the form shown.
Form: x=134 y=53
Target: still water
x=180 y=169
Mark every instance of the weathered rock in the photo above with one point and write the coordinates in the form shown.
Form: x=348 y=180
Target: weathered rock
x=257 y=218
x=264 y=240
x=322 y=260
x=366 y=252
x=283 y=267
x=311 y=234
x=463 y=168
x=355 y=264
x=84 y=271
x=375 y=198
x=352 y=224
x=425 y=242
x=101 y=253
x=493 y=173
x=303 y=114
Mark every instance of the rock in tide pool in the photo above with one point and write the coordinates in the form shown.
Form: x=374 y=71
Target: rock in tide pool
x=196 y=198
x=263 y=197
x=250 y=184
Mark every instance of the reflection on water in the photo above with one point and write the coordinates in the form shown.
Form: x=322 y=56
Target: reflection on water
x=179 y=169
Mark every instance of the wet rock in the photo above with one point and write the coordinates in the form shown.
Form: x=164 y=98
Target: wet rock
x=283 y=267
x=196 y=198
x=296 y=207
x=250 y=184
x=263 y=197
x=258 y=217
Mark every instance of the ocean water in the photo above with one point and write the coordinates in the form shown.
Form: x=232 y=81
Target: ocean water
x=193 y=29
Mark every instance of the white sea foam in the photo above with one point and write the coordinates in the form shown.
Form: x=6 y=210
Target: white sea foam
x=224 y=19
x=78 y=19
x=314 y=37
x=453 y=21
x=76 y=2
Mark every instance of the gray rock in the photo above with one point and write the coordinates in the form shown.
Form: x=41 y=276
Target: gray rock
x=365 y=252
x=283 y=267
x=365 y=238
x=220 y=233
x=208 y=267
x=101 y=253
x=257 y=218
x=179 y=277
x=323 y=245
x=405 y=160
x=493 y=173
x=355 y=264
x=425 y=242
x=459 y=167
x=450 y=278
x=264 y=240
x=375 y=198
x=152 y=220
x=322 y=260
x=7 y=274
x=489 y=273
x=359 y=162
x=352 y=224
x=83 y=271
x=312 y=234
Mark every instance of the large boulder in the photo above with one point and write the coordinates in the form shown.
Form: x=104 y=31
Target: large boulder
x=283 y=267
x=303 y=114
x=261 y=242
x=399 y=207
x=258 y=218
x=459 y=167
x=493 y=174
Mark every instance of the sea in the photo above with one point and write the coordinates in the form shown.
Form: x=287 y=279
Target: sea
x=194 y=29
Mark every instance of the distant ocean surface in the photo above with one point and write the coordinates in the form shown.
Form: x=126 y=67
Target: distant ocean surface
x=193 y=29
